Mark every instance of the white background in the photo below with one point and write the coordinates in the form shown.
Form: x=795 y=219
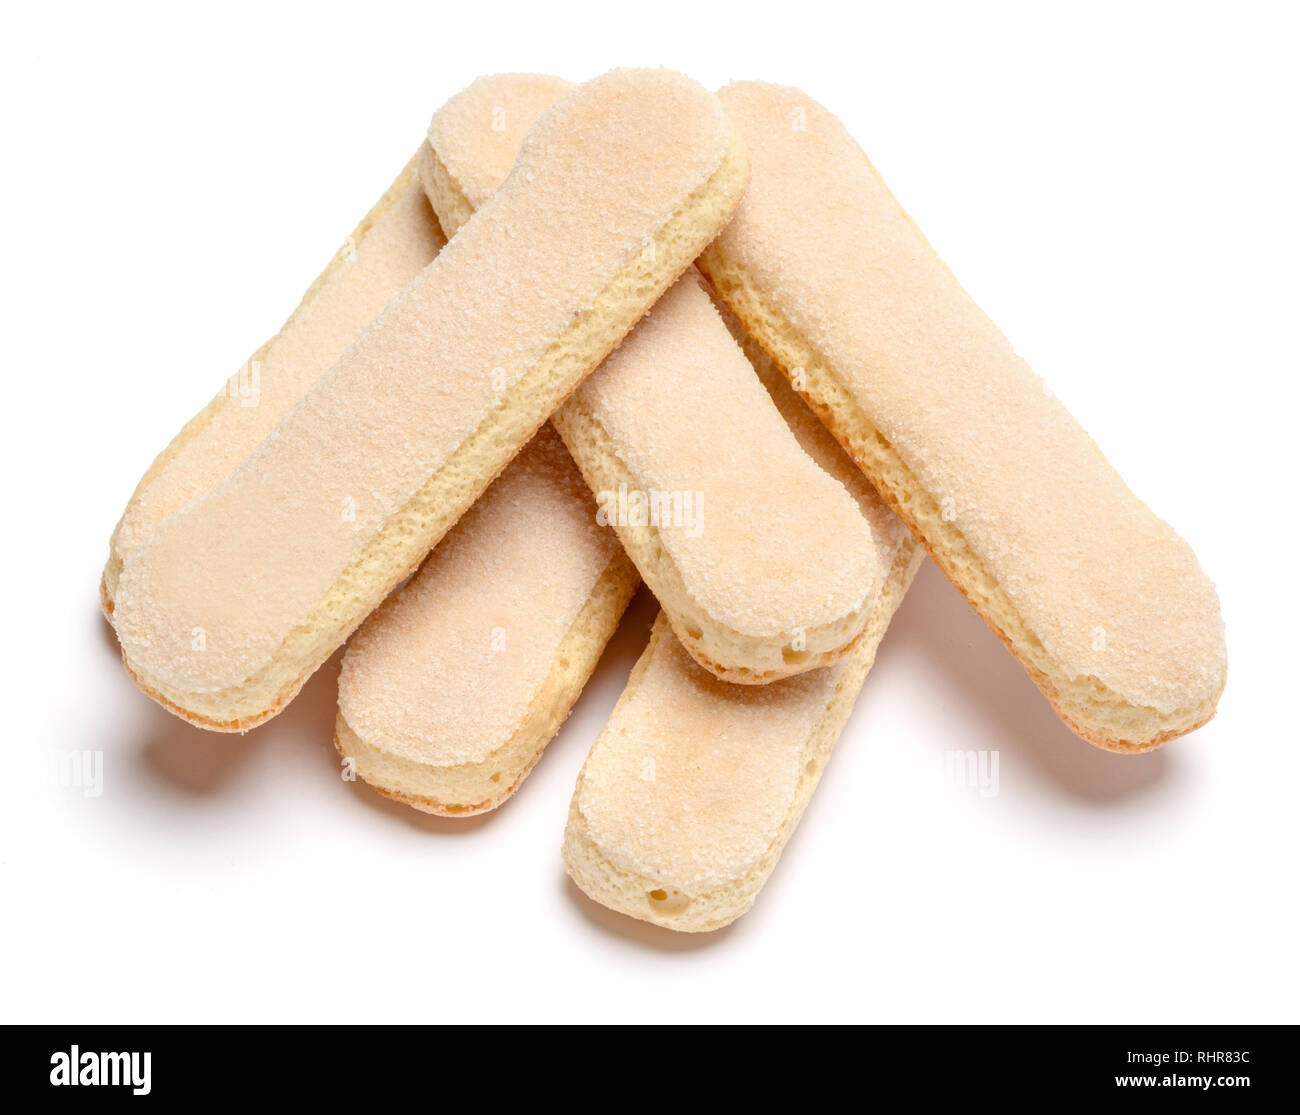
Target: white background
x=1117 y=187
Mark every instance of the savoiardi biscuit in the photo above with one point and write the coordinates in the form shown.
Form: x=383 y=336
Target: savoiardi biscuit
x=450 y=692
x=393 y=243
x=763 y=564
x=237 y=597
x=1101 y=601
x=694 y=787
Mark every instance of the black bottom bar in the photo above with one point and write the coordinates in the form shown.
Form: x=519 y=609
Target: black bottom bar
x=445 y=1064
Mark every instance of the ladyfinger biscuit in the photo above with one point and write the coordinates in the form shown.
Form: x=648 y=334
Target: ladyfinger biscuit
x=393 y=243
x=694 y=786
x=763 y=564
x=452 y=689
x=233 y=601
x=1103 y=604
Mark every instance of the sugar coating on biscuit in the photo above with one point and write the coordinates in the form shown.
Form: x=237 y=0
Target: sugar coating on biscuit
x=1109 y=589
x=444 y=673
x=477 y=133
x=370 y=271
x=767 y=542
x=775 y=543
x=239 y=569
x=887 y=530
x=694 y=783
x=693 y=777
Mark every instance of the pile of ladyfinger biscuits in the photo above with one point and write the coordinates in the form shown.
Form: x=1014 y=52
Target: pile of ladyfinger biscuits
x=631 y=331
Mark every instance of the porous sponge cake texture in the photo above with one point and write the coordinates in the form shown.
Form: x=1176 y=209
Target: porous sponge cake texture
x=777 y=572
x=274 y=599
x=481 y=784
x=779 y=544
x=694 y=787
x=392 y=244
x=477 y=133
x=453 y=687
x=1101 y=600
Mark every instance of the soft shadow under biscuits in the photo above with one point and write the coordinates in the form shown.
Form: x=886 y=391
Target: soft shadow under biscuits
x=936 y=626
